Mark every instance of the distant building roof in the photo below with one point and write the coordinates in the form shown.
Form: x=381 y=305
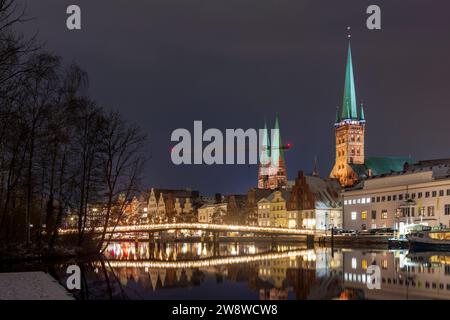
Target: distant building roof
x=326 y=191
x=376 y=166
x=421 y=171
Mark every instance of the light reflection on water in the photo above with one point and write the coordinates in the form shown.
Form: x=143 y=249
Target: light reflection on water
x=257 y=271
x=264 y=271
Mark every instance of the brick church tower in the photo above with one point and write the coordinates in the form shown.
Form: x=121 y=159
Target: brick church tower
x=349 y=131
x=272 y=168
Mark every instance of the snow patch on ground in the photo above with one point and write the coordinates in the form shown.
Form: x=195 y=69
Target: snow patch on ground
x=31 y=286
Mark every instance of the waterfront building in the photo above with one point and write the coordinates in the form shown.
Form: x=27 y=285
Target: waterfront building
x=236 y=209
x=170 y=205
x=315 y=203
x=418 y=194
x=272 y=168
x=351 y=164
x=212 y=212
x=264 y=212
x=275 y=206
x=253 y=196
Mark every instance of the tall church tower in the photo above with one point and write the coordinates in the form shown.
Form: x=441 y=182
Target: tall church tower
x=272 y=168
x=349 y=132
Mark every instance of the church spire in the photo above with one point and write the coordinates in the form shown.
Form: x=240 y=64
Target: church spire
x=315 y=172
x=349 y=110
x=362 y=118
x=265 y=146
x=276 y=146
x=338 y=117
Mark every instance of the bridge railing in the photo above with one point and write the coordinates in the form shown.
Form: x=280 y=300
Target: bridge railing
x=200 y=226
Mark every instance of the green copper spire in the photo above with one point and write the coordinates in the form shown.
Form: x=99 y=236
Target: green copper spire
x=349 y=102
x=265 y=146
x=361 y=114
x=338 y=118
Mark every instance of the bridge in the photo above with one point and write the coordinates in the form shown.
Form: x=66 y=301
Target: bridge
x=204 y=263
x=151 y=228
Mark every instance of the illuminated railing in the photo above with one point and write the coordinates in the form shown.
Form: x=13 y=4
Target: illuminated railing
x=205 y=263
x=198 y=226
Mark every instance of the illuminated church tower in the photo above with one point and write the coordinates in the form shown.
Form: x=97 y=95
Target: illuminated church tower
x=272 y=168
x=349 y=130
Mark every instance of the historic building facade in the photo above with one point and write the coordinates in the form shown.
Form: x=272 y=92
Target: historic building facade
x=167 y=205
x=419 y=194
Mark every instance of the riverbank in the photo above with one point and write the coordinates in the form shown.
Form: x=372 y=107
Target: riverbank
x=36 y=285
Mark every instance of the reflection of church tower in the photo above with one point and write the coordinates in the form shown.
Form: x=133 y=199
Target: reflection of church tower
x=272 y=168
x=349 y=130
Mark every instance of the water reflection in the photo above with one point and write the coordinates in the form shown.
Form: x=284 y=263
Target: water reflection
x=141 y=270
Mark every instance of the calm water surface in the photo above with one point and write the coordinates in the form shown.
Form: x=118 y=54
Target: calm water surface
x=253 y=271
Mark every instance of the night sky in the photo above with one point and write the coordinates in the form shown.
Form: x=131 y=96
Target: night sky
x=233 y=63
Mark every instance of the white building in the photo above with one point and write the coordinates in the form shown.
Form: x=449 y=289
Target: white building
x=264 y=213
x=419 y=194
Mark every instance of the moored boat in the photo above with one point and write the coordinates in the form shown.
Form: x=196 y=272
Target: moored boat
x=430 y=239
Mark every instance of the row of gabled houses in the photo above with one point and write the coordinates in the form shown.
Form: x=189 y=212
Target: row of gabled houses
x=307 y=202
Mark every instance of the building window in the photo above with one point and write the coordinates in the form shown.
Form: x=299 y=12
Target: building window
x=422 y=211
x=389 y=198
x=373 y=199
x=353 y=215
x=434 y=193
x=419 y=195
x=345 y=202
x=427 y=194
x=374 y=214
x=430 y=211
x=378 y=199
x=413 y=195
x=448 y=192
x=400 y=197
x=447 y=209
x=441 y=193
x=394 y=197
x=364 y=264
x=364 y=215
x=354 y=263
x=384 y=214
x=383 y=198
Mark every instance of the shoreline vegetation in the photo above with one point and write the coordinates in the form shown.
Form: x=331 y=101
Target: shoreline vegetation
x=59 y=150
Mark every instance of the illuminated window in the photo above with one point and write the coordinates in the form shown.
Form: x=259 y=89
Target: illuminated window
x=384 y=214
x=354 y=263
x=368 y=200
x=353 y=215
x=364 y=215
x=384 y=264
x=364 y=264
